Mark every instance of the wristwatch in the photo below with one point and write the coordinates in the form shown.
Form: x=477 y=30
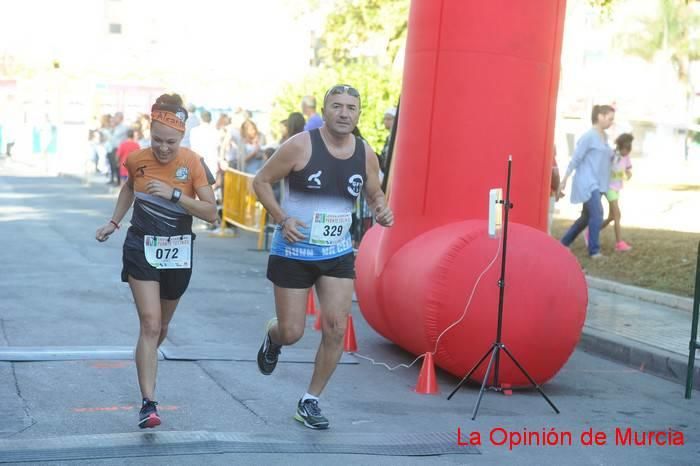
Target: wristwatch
x=176 y=195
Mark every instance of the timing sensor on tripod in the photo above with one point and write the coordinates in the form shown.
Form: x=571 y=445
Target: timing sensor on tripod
x=495 y=211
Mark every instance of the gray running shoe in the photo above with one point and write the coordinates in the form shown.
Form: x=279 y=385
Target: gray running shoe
x=309 y=414
x=269 y=352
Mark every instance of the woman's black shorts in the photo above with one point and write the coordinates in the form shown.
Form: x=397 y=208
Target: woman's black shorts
x=293 y=273
x=173 y=282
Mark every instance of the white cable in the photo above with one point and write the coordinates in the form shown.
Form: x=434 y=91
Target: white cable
x=387 y=365
x=437 y=342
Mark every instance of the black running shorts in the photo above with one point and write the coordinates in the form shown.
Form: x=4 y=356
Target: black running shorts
x=294 y=273
x=173 y=282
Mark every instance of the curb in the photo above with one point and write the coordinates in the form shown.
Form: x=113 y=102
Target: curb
x=656 y=297
x=640 y=356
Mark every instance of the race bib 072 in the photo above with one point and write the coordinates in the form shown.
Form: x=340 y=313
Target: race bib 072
x=168 y=252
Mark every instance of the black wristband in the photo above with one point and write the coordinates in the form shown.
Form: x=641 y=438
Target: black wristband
x=176 y=195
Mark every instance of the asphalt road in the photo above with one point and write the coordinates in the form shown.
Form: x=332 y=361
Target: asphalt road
x=60 y=288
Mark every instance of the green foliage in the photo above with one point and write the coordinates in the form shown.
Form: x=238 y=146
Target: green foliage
x=695 y=135
x=358 y=27
x=604 y=8
x=669 y=31
x=378 y=86
x=359 y=45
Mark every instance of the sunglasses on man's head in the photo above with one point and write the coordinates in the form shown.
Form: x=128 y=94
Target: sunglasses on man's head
x=341 y=89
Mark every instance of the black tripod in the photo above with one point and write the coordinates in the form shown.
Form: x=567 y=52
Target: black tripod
x=498 y=345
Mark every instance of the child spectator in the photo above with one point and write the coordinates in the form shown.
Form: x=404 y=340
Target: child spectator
x=620 y=169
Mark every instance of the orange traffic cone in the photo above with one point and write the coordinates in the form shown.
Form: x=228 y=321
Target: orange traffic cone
x=311 y=303
x=317 y=324
x=427 y=382
x=350 y=341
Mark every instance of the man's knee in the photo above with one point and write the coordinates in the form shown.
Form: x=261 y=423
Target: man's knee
x=289 y=333
x=334 y=326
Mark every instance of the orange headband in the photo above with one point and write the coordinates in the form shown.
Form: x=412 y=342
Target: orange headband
x=170 y=119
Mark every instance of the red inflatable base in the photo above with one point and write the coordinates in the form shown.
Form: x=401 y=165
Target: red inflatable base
x=412 y=295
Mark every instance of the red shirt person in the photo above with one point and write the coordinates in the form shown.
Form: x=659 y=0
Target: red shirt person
x=125 y=148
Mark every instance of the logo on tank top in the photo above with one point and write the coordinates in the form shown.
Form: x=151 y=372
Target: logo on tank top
x=355 y=183
x=182 y=173
x=315 y=178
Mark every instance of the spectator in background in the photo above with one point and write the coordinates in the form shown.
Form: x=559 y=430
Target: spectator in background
x=205 y=140
x=553 y=190
x=295 y=124
x=192 y=122
x=389 y=117
x=99 y=155
x=144 y=133
x=591 y=161
x=621 y=169
x=232 y=138
x=308 y=108
x=119 y=135
x=105 y=131
x=250 y=148
x=223 y=122
x=129 y=145
x=284 y=131
x=144 y=142
x=222 y=127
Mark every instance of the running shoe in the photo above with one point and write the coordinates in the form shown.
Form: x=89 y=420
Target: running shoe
x=309 y=414
x=621 y=246
x=269 y=352
x=148 y=416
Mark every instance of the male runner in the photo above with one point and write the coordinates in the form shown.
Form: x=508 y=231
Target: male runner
x=324 y=171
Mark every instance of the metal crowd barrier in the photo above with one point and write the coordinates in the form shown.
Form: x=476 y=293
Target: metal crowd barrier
x=240 y=204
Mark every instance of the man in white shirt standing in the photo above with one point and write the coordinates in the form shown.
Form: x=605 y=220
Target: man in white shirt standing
x=204 y=140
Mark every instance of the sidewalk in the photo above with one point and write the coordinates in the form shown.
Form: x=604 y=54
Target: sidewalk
x=632 y=326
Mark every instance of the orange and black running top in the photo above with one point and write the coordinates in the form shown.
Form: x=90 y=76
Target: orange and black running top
x=154 y=215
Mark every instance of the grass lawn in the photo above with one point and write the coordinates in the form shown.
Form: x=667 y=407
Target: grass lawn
x=659 y=260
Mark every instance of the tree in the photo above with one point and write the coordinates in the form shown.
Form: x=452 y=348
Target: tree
x=359 y=28
x=360 y=42
x=604 y=7
x=670 y=33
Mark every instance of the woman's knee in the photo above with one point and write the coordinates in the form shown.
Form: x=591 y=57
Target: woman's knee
x=151 y=328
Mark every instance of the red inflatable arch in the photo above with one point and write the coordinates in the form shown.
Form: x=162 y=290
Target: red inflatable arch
x=480 y=83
